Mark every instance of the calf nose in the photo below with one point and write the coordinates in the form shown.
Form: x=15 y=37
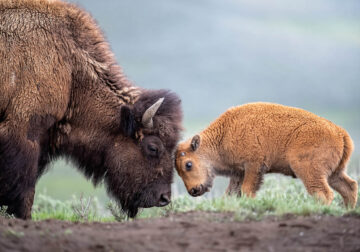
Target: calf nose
x=194 y=191
x=164 y=199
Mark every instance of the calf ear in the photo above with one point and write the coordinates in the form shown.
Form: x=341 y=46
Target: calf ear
x=127 y=123
x=195 y=142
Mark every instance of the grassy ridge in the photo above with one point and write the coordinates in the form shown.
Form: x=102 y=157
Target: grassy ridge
x=278 y=195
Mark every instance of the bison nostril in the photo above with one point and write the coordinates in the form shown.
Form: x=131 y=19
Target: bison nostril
x=164 y=200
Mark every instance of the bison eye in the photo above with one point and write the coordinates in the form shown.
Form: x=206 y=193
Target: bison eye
x=153 y=149
x=188 y=166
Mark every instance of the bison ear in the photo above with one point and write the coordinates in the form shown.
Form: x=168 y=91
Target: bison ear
x=127 y=123
x=195 y=142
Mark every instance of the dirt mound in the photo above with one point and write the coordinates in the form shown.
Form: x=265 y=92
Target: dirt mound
x=194 y=231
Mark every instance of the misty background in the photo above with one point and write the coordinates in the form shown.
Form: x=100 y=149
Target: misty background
x=220 y=53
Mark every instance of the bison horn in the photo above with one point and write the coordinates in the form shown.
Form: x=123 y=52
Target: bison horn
x=147 y=118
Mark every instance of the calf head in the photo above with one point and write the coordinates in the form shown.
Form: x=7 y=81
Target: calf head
x=193 y=167
x=142 y=158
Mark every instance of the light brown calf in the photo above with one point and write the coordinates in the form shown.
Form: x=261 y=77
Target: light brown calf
x=250 y=140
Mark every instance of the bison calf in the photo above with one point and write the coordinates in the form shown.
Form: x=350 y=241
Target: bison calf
x=250 y=140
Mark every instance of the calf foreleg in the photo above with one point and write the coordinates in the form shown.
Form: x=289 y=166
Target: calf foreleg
x=254 y=174
x=235 y=184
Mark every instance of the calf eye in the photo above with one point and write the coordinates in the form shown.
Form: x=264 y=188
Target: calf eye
x=188 y=166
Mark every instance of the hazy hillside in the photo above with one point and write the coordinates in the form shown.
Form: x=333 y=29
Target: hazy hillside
x=219 y=53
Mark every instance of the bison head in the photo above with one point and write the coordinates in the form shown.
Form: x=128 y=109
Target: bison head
x=141 y=163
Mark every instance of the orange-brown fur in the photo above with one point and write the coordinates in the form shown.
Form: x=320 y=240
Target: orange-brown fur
x=250 y=140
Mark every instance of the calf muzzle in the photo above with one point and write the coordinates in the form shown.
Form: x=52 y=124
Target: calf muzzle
x=198 y=190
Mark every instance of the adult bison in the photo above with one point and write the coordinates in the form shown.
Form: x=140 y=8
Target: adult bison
x=62 y=94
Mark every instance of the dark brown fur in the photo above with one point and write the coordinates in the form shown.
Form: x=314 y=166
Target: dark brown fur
x=62 y=94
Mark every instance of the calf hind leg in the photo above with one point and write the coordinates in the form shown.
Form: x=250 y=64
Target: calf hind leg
x=311 y=165
x=319 y=188
x=346 y=187
x=315 y=182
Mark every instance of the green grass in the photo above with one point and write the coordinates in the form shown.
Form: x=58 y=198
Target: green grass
x=46 y=207
x=279 y=195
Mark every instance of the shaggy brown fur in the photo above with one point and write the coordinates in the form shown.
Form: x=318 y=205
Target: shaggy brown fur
x=250 y=140
x=62 y=94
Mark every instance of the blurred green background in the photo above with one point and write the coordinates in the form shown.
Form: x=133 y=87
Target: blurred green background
x=217 y=54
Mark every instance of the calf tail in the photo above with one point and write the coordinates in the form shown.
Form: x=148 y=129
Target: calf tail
x=348 y=149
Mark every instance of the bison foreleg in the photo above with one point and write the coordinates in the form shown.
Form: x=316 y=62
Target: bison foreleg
x=18 y=172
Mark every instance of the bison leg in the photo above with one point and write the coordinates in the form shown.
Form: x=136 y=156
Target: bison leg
x=18 y=172
x=254 y=174
x=346 y=186
x=21 y=206
x=235 y=184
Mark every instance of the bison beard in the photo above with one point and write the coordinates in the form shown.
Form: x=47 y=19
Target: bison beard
x=63 y=95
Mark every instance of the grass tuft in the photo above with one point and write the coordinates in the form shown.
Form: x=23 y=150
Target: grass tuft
x=4 y=214
x=116 y=212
